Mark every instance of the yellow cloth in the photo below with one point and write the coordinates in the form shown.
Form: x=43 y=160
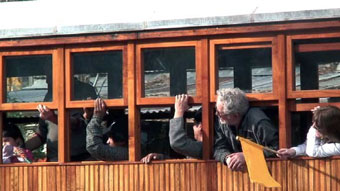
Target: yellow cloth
x=256 y=164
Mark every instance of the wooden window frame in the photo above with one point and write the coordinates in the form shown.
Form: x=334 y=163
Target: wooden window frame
x=243 y=43
x=291 y=49
x=149 y=101
x=55 y=53
x=120 y=102
x=57 y=102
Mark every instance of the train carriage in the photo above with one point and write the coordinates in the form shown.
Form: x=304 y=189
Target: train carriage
x=287 y=62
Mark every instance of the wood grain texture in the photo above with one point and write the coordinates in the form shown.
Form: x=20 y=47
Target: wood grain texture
x=298 y=174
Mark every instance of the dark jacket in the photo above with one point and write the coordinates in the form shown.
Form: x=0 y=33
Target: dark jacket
x=96 y=147
x=255 y=125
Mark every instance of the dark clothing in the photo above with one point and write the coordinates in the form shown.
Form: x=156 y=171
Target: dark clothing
x=255 y=126
x=180 y=142
x=96 y=147
x=48 y=133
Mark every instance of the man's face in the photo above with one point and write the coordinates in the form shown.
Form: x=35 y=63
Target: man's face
x=229 y=119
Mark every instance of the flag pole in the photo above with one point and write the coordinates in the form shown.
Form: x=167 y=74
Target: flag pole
x=265 y=148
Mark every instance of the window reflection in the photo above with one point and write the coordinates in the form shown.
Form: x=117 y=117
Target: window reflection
x=28 y=78
x=99 y=73
x=169 y=71
x=318 y=70
x=247 y=69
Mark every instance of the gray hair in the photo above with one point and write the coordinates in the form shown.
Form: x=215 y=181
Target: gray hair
x=234 y=100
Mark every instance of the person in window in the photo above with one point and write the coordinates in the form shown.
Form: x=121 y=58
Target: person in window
x=323 y=137
x=13 y=143
x=179 y=141
x=47 y=131
x=116 y=148
x=236 y=118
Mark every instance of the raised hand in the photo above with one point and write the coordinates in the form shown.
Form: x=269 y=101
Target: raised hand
x=46 y=114
x=181 y=105
x=99 y=107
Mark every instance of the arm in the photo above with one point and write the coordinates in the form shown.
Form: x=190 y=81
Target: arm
x=180 y=142
x=315 y=148
x=221 y=149
x=300 y=150
x=292 y=152
x=96 y=147
x=94 y=137
x=266 y=135
x=39 y=137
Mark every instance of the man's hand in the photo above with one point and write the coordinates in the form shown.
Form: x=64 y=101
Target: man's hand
x=46 y=114
x=236 y=161
x=181 y=105
x=286 y=153
x=151 y=156
x=99 y=107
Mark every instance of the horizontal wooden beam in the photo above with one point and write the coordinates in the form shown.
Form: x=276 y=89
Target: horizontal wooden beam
x=317 y=47
x=116 y=37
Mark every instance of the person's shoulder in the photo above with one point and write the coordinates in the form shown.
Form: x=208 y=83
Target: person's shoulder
x=256 y=114
x=255 y=111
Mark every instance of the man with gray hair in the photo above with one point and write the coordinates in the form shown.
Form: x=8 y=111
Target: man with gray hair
x=236 y=118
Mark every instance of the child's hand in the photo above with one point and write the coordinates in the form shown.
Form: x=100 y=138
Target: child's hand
x=286 y=153
x=19 y=152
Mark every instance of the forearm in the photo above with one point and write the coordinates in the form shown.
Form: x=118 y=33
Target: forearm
x=315 y=148
x=96 y=147
x=180 y=142
x=221 y=149
x=34 y=142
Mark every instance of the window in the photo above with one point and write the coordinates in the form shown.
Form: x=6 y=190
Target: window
x=28 y=78
x=247 y=69
x=101 y=70
x=169 y=71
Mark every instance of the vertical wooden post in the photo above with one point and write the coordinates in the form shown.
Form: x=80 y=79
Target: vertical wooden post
x=1 y=127
x=59 y=97
x=206 y=109
x=280 y=84
x=134 y=125
x=2 y=92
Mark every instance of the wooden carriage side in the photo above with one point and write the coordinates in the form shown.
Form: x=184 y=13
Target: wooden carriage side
x=283 y=40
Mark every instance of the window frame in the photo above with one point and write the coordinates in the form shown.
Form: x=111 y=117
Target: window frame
x=291 y=50
x=149 y=101
x=56 y=67
x=71 y=104
x=243 y=43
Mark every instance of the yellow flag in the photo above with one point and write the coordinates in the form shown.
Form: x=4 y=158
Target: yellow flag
x=256 y=164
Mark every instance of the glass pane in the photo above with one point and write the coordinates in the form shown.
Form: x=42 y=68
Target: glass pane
x=97 y=74
x=155 y=131
x=169 y=71
x=29 y=125
x=28 y=78
x=317 y=70
x=300 y=121
x=247 y=69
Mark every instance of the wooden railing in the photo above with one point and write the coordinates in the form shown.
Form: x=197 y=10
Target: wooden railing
x=174 y=175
